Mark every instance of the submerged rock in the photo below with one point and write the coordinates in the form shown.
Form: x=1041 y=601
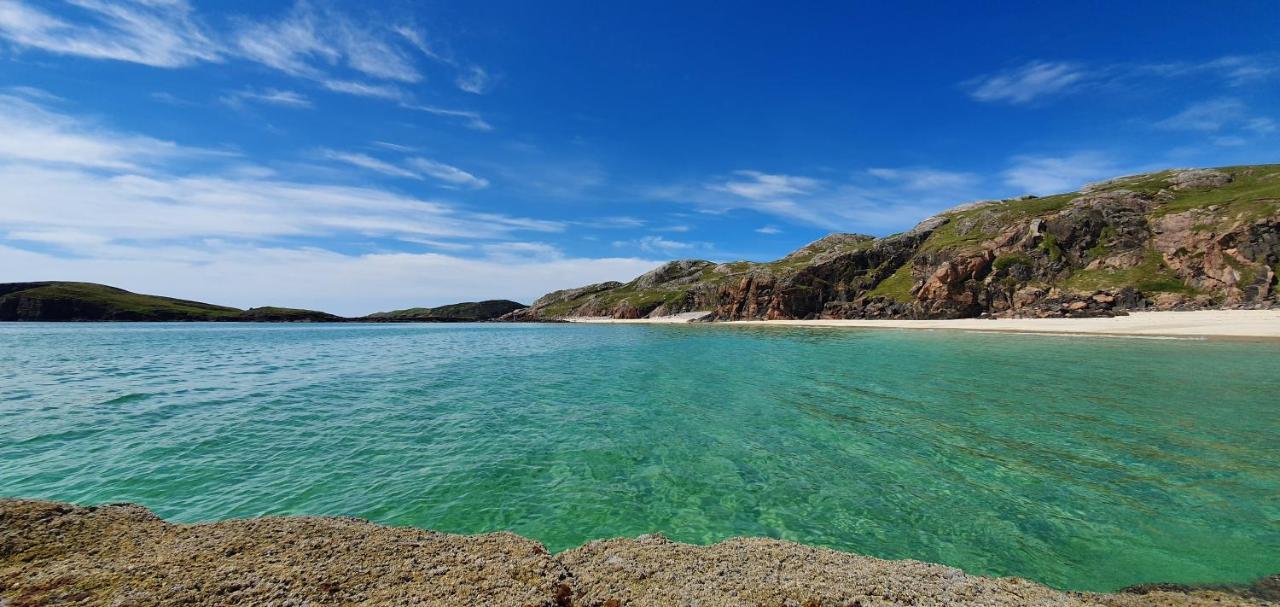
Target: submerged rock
x=118 y=555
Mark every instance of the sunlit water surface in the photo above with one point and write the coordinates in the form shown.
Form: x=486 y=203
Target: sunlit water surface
x=1083 y=463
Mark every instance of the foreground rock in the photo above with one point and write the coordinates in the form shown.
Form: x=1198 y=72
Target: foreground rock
x=1172 y=240
x=56 y=554
x=122 y=555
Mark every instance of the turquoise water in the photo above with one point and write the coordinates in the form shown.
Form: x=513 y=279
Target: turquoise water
x=1083 y=463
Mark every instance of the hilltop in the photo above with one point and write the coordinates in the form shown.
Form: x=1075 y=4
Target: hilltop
x=84 y=301
x=469 y=311
x=1174 y=239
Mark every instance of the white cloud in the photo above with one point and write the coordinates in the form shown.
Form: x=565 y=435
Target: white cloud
x=268 y=96
x=312 y=40
x=151 y=32
x=34 y=134
x=415 y=168
x=1228 y=118
x=308 y=42
x=395 y=147
x=473 y=80
x=1043 y=175
x=1207 y=116
x=658 y=244
x=768 y=230
x=473 y=119
x=765 y=186
x=926 y=179
x=65 y=174
x=447 y=173
x=1027 y=82
x=1041 y=79
x=1236 y=70
x=246 y=276
x=365 y=89
x=875 y=200
x=365 y=161
x=522 y=251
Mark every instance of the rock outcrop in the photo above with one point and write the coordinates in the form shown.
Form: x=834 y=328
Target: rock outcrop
x=123 y=555
x=1177 y=239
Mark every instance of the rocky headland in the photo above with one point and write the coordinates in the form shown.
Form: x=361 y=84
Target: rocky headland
x=123 y=555
x=1173 y=240
x=60 y=301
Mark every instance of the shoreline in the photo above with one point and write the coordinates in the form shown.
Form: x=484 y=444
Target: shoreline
x=58 y=553
x=1195 y=324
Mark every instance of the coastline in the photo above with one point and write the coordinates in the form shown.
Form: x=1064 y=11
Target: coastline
x=57 y=553
x=1196 y=324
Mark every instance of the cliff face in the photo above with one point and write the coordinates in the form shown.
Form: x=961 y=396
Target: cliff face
x=1176 y=239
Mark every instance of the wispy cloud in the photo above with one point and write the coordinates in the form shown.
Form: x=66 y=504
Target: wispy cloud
x=1027 y=82
x=658 y=244
x=471 y=78
x=156 y=33
x=1041 y=79
x=876 y=200
x=1055 y=174
x=247 y=275
x=756 y=185
x=768 y=230
x=308 y=41
x=365 y=161
x=926 y=179
x=32 y=133
x=473 y=119
x=313 y=41
x=1217 y=115
x=474 y=80
x=412 y=168
x=447 y=173
x=64 y=174
x=267 y=96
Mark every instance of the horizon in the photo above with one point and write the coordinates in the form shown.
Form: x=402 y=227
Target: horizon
x=327 y=156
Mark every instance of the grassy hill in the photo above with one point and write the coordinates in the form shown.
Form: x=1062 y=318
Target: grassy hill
x=83 y=301
x=470 y=311
x=1173 y=239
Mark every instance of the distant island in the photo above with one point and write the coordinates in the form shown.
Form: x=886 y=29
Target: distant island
x=1179 y=239
x=81 y=301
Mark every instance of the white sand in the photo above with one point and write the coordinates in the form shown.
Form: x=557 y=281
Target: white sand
x=1199 y=324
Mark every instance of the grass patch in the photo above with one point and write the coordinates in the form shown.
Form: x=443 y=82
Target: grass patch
x=1150 y=276
x=1004 y=262
x=1253 y=193
x=897 y=286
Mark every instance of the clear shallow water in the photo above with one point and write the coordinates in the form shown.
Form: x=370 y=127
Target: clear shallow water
x=1083 y=463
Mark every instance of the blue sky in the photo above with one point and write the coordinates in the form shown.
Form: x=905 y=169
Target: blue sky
x=355 y=157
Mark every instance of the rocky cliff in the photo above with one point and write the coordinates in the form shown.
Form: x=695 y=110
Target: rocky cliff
x=1176 y=239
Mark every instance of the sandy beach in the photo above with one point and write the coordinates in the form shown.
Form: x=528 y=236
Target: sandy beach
x=1206 y=324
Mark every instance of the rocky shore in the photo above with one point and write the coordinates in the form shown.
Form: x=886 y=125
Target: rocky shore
x=123 y=555
x=1181 y=239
